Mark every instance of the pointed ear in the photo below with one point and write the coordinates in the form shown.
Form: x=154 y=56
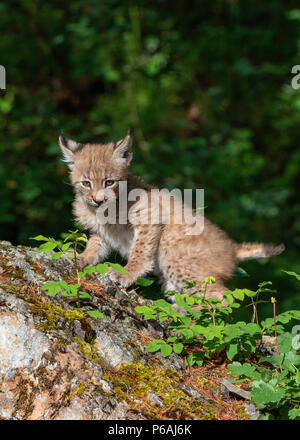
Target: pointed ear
x=69 y=148
x=122 y=150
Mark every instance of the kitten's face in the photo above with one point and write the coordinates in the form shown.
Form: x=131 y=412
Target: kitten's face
x=97 y=169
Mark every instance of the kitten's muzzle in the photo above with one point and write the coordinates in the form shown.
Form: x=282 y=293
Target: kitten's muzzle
x=93 y=203
x=99 y=202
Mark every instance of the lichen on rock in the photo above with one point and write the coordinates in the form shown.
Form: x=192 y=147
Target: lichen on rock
x=58 y=363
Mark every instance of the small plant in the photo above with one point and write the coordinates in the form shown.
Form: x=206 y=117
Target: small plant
x=209 y=326
x=209 y=331
x=70 y=245
x=276 y=391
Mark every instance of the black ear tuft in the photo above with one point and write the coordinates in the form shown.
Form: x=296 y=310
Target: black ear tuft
x=63 y=141
x=69 y=148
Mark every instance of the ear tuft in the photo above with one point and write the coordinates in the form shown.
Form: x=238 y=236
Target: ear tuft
x=122 y=150
x=69 y=148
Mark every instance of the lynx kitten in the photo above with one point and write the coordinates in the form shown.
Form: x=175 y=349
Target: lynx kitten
x=167 y=249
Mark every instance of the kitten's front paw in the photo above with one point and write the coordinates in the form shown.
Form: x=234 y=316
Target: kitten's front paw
x=84 y=259
x=123 y=279
x=82 y=262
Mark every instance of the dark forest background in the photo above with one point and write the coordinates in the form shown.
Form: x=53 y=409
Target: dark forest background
x=205 y=88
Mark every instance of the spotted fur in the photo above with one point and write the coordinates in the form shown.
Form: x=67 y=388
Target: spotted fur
x=166 y=249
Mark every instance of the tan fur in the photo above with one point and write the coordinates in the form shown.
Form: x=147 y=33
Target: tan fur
x=163 y=248
x=248 y=251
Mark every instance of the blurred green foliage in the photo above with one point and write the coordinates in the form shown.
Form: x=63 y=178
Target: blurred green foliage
x=205 y=87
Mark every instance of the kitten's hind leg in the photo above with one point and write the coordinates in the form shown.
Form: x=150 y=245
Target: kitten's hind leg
x=176 y=274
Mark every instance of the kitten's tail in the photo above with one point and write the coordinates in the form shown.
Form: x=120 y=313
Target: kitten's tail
x=249 y=251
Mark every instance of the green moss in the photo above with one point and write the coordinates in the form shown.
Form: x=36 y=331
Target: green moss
x=9 y=288
x=53 y=312
x=79 y=390
x=242 y=413
x=87 y=349
x=134 y=381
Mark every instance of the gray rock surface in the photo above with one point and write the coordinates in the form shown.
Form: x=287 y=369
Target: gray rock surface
x=58 y=363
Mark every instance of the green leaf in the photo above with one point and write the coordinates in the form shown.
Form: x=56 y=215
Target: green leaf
x=56 y=255
x=172 y=338
x=268 y=323
x=294 y=274
x=239 y=272
x=67 y=294
x=47 y=247
x=232 y=351
x=195 y=358
x=264 y=283
x=232 y=331
x=250 y=371
x=190 y=300
x=294 y=413
x=162 y=303
x=187 y=333
x=149 y=315
x=252 y=328
x=249 y=293
x=228 y=298
x=84 y=239
x=210 y=280
x=66 y=246
x=178 y=347
x=53 y=287
x=95 y=314
x=89 y=269
x=285 y=342
x=179 y=300
x=154 y=346
x=142 y=309
x=235 y=305
x=117 y=267
x=40 y=238
x=239 y=294
x=166 y=350
x=144 y=282
x=84 y=295
x=245 y=369
x=102 y=268
x=236 y=368
x=265 y=393
x=265 y=373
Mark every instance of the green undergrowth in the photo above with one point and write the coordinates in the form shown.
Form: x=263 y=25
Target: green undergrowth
x=203 y=328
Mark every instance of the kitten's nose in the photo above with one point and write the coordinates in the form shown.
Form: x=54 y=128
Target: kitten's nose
x=99 y=201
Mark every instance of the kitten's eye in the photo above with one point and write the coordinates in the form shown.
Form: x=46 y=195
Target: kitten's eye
x=86 y=184
x=109 y=182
